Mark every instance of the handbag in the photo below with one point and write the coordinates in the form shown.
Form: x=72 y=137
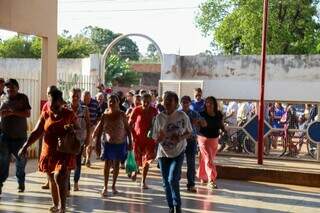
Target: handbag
x=69 y=143
x=131 y=165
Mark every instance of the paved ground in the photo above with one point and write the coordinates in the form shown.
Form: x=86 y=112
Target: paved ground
x=232 y=196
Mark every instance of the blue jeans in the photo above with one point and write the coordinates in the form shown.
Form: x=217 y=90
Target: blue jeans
x=171 y=173
x=191 y=151
x=77 y=170
x=8 y=147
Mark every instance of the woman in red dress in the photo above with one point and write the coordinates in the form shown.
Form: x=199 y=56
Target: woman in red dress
x=52 y=162
x=144 y=148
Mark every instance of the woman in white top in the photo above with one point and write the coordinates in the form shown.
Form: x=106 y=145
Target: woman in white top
x=171 y=129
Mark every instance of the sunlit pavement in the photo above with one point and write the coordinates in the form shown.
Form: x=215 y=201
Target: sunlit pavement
x=232 y=196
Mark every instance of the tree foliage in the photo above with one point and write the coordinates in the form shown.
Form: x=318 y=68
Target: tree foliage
x=30 y=47
x=153 y=53
x=16 y=47
x=101 y=38
x=236 y=25
x=119 y=72
x=91 y=40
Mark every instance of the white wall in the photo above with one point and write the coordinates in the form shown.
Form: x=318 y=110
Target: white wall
x=27 y=72
x=288 y=77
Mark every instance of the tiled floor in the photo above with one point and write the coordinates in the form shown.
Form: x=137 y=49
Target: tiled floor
x=232 y=196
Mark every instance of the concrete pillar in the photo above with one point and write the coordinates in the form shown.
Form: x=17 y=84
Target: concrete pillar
x=49 y=64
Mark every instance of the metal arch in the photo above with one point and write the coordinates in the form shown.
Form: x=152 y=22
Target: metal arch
x=106 y=52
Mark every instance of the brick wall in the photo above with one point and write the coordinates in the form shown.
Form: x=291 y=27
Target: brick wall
x=146 y=68
x=150 y=77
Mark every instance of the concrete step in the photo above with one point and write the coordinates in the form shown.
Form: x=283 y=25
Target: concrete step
x=275 y=171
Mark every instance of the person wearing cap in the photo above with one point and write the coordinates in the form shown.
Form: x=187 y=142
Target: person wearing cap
x=14 y=113
x=191 y=149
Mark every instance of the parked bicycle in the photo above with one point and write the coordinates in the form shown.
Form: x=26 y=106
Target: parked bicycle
x=236 y=140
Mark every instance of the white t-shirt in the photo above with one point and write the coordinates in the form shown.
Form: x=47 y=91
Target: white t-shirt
x=243 y=112
x=232 y=108
x=175 y=124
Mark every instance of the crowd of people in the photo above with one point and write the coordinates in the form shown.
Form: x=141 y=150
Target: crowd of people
x=238 y=113
x=281 y=116
x=110 y=124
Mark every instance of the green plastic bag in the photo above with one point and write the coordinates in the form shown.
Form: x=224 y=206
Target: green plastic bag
x=131 y=165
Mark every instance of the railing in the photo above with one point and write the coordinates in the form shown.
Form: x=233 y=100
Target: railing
x=280 y=143
x=67 y=81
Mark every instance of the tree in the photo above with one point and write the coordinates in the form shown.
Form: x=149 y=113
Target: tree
x=30 y=47
x=153 y=53
x=16 y=47
x=235 y=26
x=101 y=38
x=75 y=47
x=119 y=73
x=91 y=40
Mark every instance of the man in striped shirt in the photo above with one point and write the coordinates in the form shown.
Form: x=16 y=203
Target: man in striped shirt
x=94 y=111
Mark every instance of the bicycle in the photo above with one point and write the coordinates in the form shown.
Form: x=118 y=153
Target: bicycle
x=237 y=141
x=312 y=149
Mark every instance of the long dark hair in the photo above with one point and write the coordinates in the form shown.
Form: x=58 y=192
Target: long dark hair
x=114 y=97
x=56 y=95
x=216 y=111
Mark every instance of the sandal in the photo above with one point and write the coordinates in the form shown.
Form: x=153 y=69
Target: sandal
x=192 y=189
x=115 y=192
x=212 y=185
x=134 y=176
x=54 y=209
x=104 y=192
x=144 y=186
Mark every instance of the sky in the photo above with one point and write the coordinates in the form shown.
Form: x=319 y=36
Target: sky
x=171 y=23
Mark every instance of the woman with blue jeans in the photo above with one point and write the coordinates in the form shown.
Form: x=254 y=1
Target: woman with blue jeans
x=171 y=129
x=83 y=133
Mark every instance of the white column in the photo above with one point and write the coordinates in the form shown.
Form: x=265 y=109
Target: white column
x=48 y=65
